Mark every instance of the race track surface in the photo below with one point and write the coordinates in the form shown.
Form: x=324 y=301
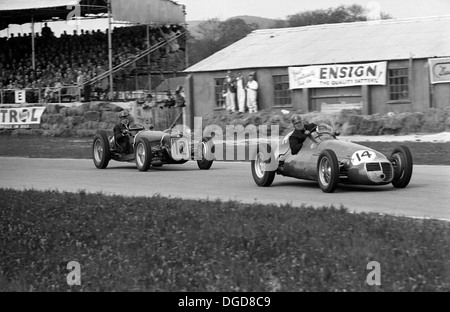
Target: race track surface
x=427 y=195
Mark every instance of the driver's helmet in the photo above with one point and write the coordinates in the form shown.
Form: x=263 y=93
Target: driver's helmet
x=296 y=118
x=123 y=115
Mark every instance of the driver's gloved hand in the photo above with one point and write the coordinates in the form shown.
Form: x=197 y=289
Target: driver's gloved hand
x=307 y=132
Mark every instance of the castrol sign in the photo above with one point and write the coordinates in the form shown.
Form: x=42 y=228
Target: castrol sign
x=20 y=117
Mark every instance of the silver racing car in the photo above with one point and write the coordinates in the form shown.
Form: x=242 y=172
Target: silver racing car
x=329 y=161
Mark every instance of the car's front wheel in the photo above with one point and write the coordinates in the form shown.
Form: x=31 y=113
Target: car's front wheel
x=328 y=171
x=100 y=151
x=207 y=159
x=402 y=162
x=143 y=154
x=263 y=171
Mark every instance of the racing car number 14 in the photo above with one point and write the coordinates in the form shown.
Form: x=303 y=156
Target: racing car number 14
x=362 y=156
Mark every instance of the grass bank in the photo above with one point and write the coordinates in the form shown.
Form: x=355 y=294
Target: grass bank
x=169 y=244
x=424 y=153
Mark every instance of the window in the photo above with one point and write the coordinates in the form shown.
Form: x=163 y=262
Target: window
x=281 y=92
x=398 y=84
x=218 y=87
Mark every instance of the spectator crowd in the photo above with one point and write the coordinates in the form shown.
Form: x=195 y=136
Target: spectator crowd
x=63 y=64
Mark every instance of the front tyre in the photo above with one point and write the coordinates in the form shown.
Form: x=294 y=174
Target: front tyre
x=328 y=171
x=402 y=162
x=143 y=154
x=262 y=171
x=100 y=151
x=207 y=158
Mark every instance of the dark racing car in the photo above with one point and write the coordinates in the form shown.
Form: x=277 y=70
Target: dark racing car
x=151 y=148
x=329 y=161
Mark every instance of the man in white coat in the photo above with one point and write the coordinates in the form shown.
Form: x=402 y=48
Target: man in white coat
x=252 y=91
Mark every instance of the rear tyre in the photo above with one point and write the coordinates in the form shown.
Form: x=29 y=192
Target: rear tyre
x=262 y=163
x=402 y=162
x=207 y=160
x=328 y=171
x=143 y=154
x=100 y=151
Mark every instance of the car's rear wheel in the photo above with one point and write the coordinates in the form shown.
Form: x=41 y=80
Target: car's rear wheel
x=402 y=162
x=100 y=151
x=207 y=158
x=143 y=154
x=328 y=171
x=262 y=170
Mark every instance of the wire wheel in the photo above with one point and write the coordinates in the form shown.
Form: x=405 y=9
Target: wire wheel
x=143 y=154
x=262 y=163
x=100 y=151
x=328 y=171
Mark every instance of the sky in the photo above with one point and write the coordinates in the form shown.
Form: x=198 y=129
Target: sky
x=223 y=9
x=276 y=9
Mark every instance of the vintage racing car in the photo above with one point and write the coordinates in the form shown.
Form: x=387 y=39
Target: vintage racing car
x=329 y=161
x=152 y=148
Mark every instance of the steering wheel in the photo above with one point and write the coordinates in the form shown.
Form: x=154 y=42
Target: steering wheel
x=313 y=129
x=321 y=131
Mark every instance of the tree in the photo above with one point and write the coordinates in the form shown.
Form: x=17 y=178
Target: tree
x=340 y=14
x=206 y=43
x=215 y=35
x=233 y=30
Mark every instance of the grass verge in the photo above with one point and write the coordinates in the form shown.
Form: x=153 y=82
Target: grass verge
x=424 y=153
x=170 y=244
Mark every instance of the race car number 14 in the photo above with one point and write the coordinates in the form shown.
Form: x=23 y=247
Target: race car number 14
x=362 y=156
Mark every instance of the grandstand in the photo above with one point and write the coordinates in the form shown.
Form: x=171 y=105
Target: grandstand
x=83 y=66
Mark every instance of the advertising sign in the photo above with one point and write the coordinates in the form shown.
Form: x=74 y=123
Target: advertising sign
x=20 y=117
x=439 y=70
x=342 y=75
x=20 y=96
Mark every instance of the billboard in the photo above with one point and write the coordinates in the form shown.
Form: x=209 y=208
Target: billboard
x=439 y=70
x=20 y=117
x=342 y=75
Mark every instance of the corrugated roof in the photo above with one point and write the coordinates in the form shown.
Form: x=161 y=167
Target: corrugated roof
x=7 y=5
x=395 y=39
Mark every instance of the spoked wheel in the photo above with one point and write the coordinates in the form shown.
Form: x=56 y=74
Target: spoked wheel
x=143 y=154
x=262 y=164
x=401 y=160
x=328 y=171
x=207 y=159
x=100 y=151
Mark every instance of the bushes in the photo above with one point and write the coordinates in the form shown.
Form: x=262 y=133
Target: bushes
x=348 y=122
x=87 y=118
x=76 y=121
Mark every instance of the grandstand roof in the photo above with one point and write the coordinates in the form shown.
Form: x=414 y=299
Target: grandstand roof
x=394 y=39
x=21 y=11
x=138 y=11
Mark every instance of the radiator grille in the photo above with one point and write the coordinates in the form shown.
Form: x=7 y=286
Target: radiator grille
x=384 y=167
x=387 y=170
x=373 y=166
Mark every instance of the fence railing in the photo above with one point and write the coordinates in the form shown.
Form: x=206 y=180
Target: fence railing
x=42 y=95
x=72 y=94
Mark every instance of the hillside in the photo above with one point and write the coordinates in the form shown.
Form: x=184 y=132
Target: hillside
x=262 y=23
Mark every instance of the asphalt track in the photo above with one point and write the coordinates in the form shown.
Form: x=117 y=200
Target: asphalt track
x=427 y=195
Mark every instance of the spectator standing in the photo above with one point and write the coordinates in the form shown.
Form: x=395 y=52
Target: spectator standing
x=46 y=31
x=230 y=92
x=179 y=97
x=240 y=85
x=80 y=82
x=87 y=87
x=252 y=91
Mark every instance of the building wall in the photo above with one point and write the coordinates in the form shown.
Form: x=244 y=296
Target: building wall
x=375 y=99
